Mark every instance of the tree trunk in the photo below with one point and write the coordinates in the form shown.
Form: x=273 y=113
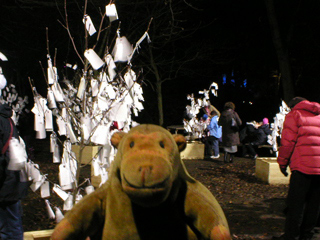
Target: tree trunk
x=158 y=87
x=282 y=54
x=159 y=98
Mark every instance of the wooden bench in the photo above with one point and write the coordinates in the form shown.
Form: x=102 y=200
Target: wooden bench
x=176 y=129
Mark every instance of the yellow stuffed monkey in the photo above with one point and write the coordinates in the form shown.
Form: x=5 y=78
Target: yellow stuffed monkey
x=149 y=195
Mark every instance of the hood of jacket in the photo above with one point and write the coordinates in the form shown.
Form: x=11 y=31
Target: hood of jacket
x=305 y=105
x=5 y=111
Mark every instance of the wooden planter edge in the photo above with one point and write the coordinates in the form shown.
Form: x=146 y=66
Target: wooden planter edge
x=38 y=235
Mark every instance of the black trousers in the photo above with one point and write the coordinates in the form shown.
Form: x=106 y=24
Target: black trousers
x=303 y=205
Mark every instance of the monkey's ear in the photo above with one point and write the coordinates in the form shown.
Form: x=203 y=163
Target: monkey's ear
x=116 y=138
x=180 y=141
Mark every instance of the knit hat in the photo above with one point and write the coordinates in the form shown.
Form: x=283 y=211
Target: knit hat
x=205 y=116
x=265 y=121
x=294 y=101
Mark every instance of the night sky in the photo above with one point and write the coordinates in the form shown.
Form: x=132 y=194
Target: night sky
x=229 y=43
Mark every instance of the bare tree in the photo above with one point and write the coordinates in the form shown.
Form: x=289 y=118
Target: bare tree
x=165 y=59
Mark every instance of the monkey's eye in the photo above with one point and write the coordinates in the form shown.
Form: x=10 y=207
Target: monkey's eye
x=131 y=144
x=161 y=144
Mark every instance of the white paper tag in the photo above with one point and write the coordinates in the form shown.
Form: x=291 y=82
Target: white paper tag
x=89 y=25
x=29 y=166
x=104 y=176
x=35 y=185
x=111 y=12
x=49 y=210
x=119 y=112
x=50 y=73
x=39 y=126
x=56 y=154
x=96 y=167
x=93 y=58
x=62 y=130
x=70 y=133
x=48 y=120
x=81 y=88
x=100 y=135
x=122 y=49
x=62 y=194
x=59 y=215
x=17 y=154
x=110 y=91
x=78 y=197
x=53 y=141
x=45 y=189
x=35 y=173
x=89 y=189
x=57 y=92
x=94 y=87
x=68 y=203
x=65 y=177
x=51 y=100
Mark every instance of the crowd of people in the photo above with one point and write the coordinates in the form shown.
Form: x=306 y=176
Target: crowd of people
x=299 y=150
x=225 y=130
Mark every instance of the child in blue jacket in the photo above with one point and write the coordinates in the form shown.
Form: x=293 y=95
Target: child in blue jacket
x=215 y=133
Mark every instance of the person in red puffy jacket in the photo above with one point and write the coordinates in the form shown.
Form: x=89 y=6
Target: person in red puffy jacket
x=300 y=150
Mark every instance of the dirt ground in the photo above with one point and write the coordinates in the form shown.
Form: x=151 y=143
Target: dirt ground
x=254 y=209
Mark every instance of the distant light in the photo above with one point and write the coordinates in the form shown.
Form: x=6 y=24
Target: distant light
x=250 y=103
x=245 y=83
x=224 y=79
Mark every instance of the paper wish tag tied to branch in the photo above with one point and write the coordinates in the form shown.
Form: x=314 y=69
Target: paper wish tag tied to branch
x=65 y=177
x=48 y=120
x=111 y=12
x=51 y=71
x=59 y=215
x=86 y=126
x=93 y=58
x=37 y=183
x=57 y=92
x=94 y=86
x=18 y=154
x=89 y=189
x=52 y=74
x=82 y=88
x=51 y=100
x=3 y=80
x=111 y=66
x=62 y=194
x=122 y=50
x=49 y=210
x=100 y=135
x=89 y=25
x=3 y=57
x=45 y=189
x=68 y=203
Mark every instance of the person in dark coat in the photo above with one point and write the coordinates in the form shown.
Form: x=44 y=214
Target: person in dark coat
x=230 y=132
x=258 y=136
x=11 y=189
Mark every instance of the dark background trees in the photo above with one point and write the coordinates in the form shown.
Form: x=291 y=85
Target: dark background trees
x=193 y=44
